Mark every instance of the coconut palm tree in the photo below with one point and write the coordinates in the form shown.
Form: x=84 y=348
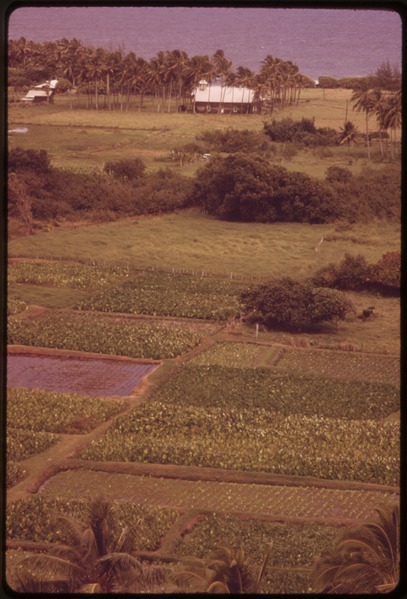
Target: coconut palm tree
x=363 y=98
x=226 y=570
x=89 y=557
x=348 y=134
x=365 y=560
x=223 y=68
x=391 y=116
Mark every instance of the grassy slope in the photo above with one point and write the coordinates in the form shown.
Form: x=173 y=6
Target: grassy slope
x=198 y=242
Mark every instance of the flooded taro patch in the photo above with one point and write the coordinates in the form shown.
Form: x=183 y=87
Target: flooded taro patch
x=85 y=376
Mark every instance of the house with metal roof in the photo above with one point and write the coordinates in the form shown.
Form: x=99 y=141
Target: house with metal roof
x=221 y=99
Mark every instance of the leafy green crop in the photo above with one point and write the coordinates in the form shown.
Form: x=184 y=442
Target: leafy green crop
x=216 y=385
x=107 y=335
x=65 y=274
x=32 y=519
x=15 y=306
x=31 y=409
x=170 y=294
x=14 y=473
x=253 y=439
x=23 y=444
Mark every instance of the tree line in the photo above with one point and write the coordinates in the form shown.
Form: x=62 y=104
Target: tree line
x=169 y=77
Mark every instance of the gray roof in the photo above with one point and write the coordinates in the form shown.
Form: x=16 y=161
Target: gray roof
x=212 y=93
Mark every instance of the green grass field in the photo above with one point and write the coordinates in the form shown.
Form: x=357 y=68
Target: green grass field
x=83 y=139
x=194 y=241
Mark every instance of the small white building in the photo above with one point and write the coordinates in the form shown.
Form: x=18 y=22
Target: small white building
x=216 y=98
x=41 y=93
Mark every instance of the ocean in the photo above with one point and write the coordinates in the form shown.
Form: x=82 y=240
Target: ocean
x=328 y=41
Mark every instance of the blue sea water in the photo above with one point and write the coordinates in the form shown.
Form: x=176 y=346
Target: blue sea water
x=328 y=41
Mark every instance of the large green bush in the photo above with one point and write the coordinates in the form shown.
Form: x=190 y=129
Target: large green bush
x=249 y=189
x=292 y=304
x=354 y=273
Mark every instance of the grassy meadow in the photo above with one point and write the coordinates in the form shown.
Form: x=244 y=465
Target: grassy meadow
x=83 y=139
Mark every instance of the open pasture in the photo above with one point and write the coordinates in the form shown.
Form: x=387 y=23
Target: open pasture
x=84 y=140
x=196 y=242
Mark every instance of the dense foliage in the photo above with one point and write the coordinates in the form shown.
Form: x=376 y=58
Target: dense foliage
x=244 y=188
x=303 y=132
x=43 y=192
x=30 y=410
x=293 y=304
x=106 y=335
x=356 y=274
x=33 y=519
x=253 y=439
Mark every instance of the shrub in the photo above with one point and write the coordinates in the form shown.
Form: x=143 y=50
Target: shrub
x=290 y=304
x=353 y=273
x=234 y=140
x=35 y=160
x=350 y=274
x=338 y=174
x=126 y=169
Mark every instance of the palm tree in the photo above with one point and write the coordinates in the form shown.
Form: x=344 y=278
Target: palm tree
x=365 y=560
x=223 y=68
x=349 y=134
x=89 y=557
x=364 y=99
x=227 y=570
x=391 y=117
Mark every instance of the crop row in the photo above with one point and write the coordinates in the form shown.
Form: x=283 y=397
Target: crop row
x=220 y=386
x=24 y=444
x=294 y=546
x=31 y=409
x=227 y=353
x=349 y=365
x=15 y=306
x=14 y=473
x=106 y=335
x=64 y=274
x=170 y=294
x=253 y=439
x=33 y=519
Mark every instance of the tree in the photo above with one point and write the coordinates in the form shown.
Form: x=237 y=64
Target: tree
x=19 y=201
x=364 y=560
x=348 y=134
x=130 y=169
x=364 y=99
x=226 y=570
x=89 y=558
x=292 y=304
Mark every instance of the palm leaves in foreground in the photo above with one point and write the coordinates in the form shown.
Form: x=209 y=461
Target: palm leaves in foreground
x=365 y=560
x=227 y=570
x=89 y=558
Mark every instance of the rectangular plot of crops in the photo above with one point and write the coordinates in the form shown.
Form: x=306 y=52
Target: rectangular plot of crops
x=342 y=365
x=73 y=375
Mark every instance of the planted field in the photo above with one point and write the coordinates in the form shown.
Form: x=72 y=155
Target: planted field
x=169 y=294
x=30 y=410
x=350 y=366
x=246 y=388
x=238 y=355
x=76 y=375
x=63 y=274
x=22 y=444
x=33 y=519
x=106 y=335
x=253 y=439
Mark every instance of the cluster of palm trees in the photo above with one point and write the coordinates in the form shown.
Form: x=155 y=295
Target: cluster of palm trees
x=385 y=106
x=169 y=77
x=90 y=558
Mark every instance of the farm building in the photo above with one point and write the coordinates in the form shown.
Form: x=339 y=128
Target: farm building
x=223 y=99
x=41 y=93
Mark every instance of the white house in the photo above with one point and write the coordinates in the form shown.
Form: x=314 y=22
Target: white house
x=41 y=93
x=216 y=98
